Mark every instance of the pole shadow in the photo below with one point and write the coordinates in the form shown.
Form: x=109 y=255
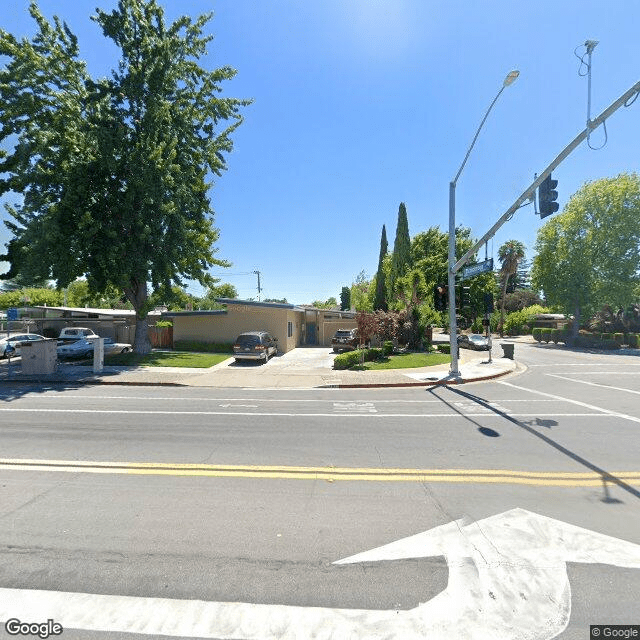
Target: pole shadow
x=607 y=478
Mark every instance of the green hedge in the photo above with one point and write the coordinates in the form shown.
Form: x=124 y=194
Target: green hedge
x=444 y=348
x=633 y=340
x=387 y=348
x=537 y=334
x=352 y=358
x=593 y=342
x=619 y=338
x=545 y=335
x=205 y=347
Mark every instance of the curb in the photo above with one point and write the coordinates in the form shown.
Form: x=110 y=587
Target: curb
x=426 y=383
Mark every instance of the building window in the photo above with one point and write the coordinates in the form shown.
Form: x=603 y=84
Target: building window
x=289 y=329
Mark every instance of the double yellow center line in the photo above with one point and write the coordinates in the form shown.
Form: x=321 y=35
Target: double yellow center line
x=329 y=474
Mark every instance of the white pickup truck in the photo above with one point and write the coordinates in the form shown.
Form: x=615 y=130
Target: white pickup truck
x=68 y=334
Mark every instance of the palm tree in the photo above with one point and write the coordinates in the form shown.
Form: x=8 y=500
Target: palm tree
x=510 y=254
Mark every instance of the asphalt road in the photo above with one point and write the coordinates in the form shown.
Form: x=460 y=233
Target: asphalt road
x=163 y=496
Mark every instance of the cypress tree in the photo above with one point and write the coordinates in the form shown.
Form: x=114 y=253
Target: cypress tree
x=401 y=258
x=380 y=300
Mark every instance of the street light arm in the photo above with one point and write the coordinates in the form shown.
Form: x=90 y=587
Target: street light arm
x=486 y=115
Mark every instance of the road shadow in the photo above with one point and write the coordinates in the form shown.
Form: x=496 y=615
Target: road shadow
x=606 y=477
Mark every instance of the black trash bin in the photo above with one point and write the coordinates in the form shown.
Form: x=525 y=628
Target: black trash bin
x=507 y=350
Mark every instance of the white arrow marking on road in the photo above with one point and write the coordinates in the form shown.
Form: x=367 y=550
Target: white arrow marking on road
x=507 y=580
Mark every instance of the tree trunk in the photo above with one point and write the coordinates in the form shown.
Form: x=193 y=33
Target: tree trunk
x=576 y=322
x=137 y=296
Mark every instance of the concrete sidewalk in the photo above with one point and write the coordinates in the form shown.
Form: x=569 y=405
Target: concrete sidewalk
x=302 y=368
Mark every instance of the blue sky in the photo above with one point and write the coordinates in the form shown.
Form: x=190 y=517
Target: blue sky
x=362 y=104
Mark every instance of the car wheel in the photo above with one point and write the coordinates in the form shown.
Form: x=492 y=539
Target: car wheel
x=125 y=350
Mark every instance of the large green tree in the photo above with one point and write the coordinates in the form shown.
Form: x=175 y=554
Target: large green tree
x=589 y=255
x=510 y=254
x=380 y=300
x=114 y=173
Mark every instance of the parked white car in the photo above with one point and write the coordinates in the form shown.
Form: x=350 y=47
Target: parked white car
x=11 y=346
x=83 y=348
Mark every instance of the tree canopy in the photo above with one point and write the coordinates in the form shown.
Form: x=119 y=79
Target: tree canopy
x=589 y=255
x=114 y=173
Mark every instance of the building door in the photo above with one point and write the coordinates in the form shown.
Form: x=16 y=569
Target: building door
x=311 y=333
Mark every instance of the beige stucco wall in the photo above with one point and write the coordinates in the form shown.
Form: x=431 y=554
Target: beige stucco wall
x=225 y=327
x=238 y=319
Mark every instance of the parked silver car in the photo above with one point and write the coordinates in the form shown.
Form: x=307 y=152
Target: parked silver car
x=84 y=348
x=255 y=345
x=11 y=346
x=474 y=341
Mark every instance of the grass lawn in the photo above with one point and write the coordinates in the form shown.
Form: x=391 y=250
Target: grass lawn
x=406 y=361
x=167 y=359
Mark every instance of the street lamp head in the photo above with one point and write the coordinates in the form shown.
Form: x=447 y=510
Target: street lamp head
x=511 y=77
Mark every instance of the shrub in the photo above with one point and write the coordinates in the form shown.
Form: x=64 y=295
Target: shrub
x=593 y=342
x=387 y=348
x=545 y=335
x=606 y=336
x=633 y=340
x=346 y=360
x=164 y=323
x=537 y=334
x=206 y=347
x=444 y=348
x=476 y=325
x=555 y=335
x=352 y=358
x=619 y=337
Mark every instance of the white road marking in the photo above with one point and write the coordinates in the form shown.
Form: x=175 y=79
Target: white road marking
x=507 y=580
x=583 y=364
x=594 y=384
x=577 y=402
x=248 y=406
x=354 y=407
x=480 y=413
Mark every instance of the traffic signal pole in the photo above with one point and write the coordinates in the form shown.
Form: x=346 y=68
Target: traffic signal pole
x=528 y=194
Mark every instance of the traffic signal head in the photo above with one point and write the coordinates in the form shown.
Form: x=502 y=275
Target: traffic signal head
x=547 y=196
x=440 y=297
x=465 y=296
x=488 y=302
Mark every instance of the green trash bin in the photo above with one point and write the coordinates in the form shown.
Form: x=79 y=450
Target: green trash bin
x=507 y=350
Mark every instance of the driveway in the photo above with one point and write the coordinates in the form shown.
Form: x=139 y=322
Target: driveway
x=301 y=367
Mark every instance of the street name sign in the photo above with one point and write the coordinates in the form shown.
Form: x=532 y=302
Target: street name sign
x=476 y=269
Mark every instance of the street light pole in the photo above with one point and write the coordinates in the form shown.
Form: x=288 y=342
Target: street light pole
x=451 y=281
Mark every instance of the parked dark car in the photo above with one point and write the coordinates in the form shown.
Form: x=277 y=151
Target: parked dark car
x=345 y=340
x=473 y=341
x=255 y=345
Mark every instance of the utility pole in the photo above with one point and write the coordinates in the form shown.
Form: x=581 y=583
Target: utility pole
x=259 y=288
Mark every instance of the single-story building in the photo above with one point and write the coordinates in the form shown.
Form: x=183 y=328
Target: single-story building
x=292 y=325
